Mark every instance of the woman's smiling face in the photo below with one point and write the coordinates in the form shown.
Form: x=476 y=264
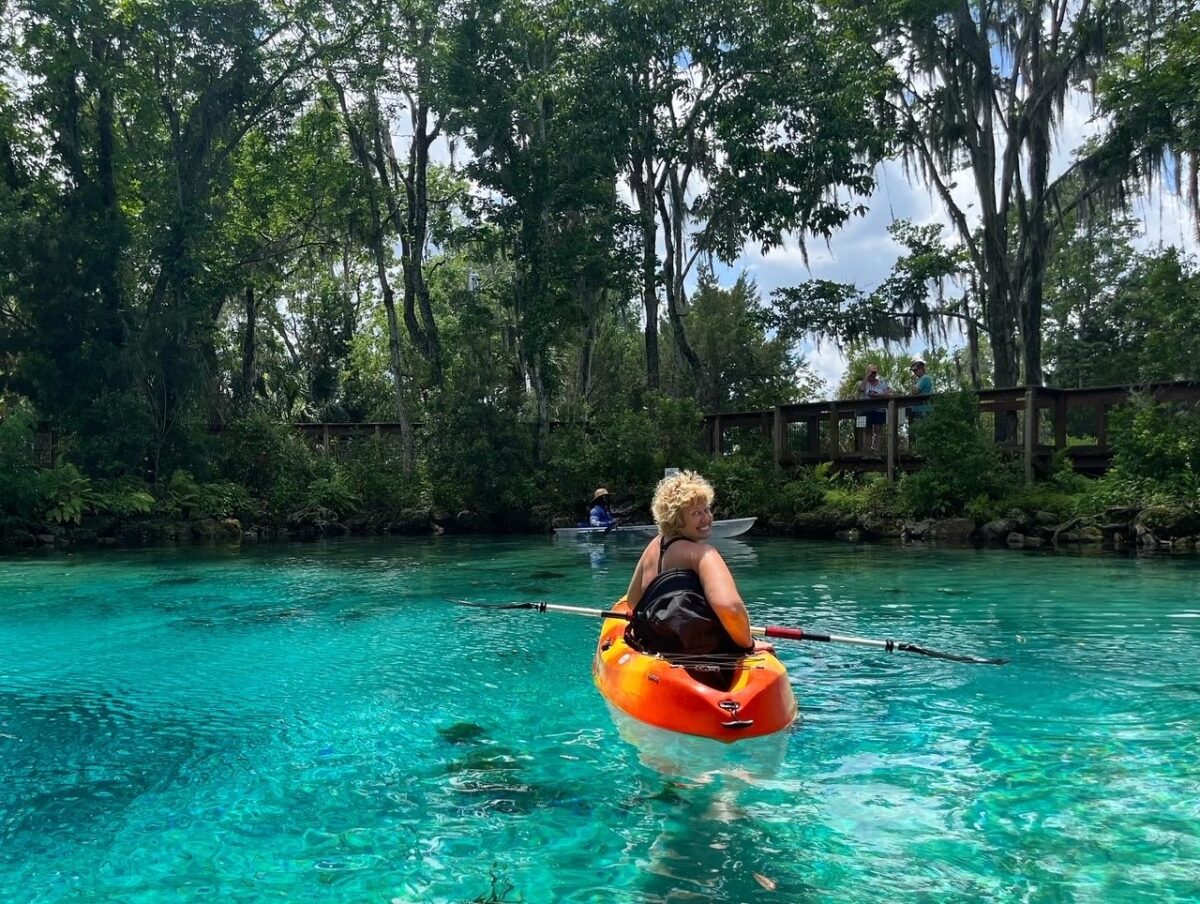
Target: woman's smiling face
x=697 y=520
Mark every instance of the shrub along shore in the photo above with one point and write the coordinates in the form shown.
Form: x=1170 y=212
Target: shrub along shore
x=267 y=484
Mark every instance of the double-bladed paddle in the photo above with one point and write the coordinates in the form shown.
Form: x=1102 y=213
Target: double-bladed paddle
x=776 y=631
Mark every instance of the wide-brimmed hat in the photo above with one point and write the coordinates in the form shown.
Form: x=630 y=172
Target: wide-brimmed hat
x=600 y=492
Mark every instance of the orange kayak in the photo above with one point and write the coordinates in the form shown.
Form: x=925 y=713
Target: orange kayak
x=755 y=699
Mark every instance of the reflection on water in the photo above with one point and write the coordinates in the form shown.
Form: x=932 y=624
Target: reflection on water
x=702 y=760
x=603 y=554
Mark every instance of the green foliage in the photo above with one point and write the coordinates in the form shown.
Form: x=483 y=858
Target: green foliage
x=67 y=493
x=1158 y=442
x=188 y=243
x=1156 y=453
x=961 y=462
x=910 y=302
x=1117 y=316
x=805 y=492
x=373 y=475
x=483 y=454
x=110 y=437
x=865 y=494
x=744 y=367
x=271 y=458
x=745 y=485
x=183 y=496
x=123 y=497
x=180 y=494
x=21 y=489
x=331 y=493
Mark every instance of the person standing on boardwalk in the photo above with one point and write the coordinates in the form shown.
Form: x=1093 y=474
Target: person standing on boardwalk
x=924 y=387
x=874 y=387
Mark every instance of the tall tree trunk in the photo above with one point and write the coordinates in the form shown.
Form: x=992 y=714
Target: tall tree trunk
x=244 y=396
x=110 y=217
x=396 y=363
x=541 y=395
x=642 y=179
x=358 y=144
x=1037 y=229
x=592 y=297
x=415 y=228
x=673 y=218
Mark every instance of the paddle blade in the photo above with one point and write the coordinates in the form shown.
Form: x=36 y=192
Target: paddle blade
x=952 y=657
x=474 y=605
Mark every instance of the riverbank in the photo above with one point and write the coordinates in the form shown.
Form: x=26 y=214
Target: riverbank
x=1119 y=530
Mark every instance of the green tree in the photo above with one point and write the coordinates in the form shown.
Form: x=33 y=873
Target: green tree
x=744 y=122
x=1150 y=95
x=542 y=140
x=912 y=301
x=980 y=86
x=744 y=366
x=1117 y=316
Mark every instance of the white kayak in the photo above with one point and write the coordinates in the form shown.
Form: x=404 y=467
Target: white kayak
x=734 y=527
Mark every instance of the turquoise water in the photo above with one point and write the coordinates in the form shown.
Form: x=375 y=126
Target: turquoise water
x=317 y=723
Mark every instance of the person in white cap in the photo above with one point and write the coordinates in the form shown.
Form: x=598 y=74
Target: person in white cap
x=873 y=386
x=600 y=515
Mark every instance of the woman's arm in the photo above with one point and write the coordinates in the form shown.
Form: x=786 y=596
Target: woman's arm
x=634 y=594
x=723 y=596
x=726 y=602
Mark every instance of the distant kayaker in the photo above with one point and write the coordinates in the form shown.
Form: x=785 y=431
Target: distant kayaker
x=682 y=596
x=601 y=515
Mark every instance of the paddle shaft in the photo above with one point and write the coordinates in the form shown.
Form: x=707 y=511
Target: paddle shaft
x=783 y=633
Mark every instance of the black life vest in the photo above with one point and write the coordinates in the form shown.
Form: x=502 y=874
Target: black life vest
x=674 y=616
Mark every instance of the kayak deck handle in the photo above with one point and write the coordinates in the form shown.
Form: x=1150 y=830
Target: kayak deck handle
x=738 y=723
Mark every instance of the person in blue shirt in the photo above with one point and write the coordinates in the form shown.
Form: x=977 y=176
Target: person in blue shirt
x=924 y=386
x=600 y=515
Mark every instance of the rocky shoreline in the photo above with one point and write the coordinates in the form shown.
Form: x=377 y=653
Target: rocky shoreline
x=1117 y=529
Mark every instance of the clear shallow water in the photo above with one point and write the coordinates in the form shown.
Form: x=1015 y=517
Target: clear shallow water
x=317 y=723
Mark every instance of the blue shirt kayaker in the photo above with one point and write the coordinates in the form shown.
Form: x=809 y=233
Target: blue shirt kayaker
x=600 y=515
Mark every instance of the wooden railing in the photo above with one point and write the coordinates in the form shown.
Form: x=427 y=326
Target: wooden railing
x=1031 y=422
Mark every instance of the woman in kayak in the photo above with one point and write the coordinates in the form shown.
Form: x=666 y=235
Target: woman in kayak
x=682 y=596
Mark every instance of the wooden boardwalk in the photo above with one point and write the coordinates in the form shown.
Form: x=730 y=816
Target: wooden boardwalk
x=1034 y=423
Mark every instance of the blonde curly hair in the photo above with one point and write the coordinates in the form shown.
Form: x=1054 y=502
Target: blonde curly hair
x=674 y=494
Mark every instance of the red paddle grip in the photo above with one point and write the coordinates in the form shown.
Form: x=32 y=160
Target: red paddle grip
x=789 y=633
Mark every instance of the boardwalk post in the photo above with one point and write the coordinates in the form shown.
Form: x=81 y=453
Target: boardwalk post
x=779 y=435
x=813 y=429
x=325 y=439
x=1030 y=430
x=1060 y=421
x=833 y=433
x=890 y=427
x=718 y=437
